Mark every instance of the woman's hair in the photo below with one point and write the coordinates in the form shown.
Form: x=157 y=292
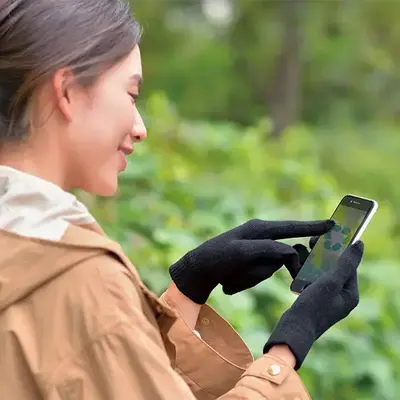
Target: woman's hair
x=38 y=37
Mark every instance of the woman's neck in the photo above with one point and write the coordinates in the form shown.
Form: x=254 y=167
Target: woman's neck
x=37 y=163
x=35 y=207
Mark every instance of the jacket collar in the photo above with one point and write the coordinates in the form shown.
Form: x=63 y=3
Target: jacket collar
x=33 y=207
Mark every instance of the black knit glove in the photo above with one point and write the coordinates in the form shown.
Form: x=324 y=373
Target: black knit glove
x=321 y=305
x=302 y=250
x=242 y=257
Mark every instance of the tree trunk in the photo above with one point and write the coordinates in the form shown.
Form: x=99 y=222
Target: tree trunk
x=284 y=95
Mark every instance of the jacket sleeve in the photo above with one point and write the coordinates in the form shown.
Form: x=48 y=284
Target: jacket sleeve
x=218 y=364
x=127 y=359
x=214 y=346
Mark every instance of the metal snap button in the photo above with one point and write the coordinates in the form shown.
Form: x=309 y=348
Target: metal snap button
x=274 y=370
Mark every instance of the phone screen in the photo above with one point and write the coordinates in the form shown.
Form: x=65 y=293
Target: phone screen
x=348 y=218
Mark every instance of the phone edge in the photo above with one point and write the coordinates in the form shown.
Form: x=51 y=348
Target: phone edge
x=360 y=232
x=367 y=221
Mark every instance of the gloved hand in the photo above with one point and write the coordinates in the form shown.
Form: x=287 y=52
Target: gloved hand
x=242 y=257
x=321 y=305
x=302 y=250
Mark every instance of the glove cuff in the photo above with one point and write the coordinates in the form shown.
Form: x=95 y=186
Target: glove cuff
x=190 y=280
x=295 y=335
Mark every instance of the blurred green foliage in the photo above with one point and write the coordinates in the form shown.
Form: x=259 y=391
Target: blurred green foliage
x=218 y=59
x=190 y=181
x=196 y=176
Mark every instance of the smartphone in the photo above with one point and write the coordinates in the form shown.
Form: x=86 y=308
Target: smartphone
x=352 y=216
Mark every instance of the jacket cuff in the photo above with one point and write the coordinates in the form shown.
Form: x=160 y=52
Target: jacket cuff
x=213 y=361
x=271 y=377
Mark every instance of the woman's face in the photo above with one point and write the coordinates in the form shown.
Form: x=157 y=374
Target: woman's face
x=103 y=126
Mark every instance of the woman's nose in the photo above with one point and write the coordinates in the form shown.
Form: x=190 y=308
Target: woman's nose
x=139 y=131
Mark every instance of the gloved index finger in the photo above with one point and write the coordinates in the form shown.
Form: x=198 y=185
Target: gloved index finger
x=296 y=229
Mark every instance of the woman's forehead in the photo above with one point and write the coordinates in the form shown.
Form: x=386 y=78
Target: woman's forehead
x=131 y=66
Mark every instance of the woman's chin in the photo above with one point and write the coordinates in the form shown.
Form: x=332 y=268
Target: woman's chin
x=104 y=188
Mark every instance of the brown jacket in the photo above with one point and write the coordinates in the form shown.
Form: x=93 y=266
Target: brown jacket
x=77 y=323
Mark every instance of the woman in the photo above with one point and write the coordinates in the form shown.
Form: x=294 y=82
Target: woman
x=76 y=322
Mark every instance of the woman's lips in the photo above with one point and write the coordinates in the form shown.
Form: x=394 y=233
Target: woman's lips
x=124 y=152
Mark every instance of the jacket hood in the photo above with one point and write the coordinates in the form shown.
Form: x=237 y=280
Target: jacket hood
x=44 y=231
x=28 y=263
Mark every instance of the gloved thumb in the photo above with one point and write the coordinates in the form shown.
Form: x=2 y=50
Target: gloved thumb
x=347 y=264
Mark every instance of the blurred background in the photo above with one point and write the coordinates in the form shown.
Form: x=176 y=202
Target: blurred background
x=275 y=110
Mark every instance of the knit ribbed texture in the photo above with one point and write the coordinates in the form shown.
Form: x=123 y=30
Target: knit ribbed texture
x=242 y=257
x=321 y=305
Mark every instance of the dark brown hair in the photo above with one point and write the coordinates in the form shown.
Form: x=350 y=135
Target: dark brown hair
x=38 y=37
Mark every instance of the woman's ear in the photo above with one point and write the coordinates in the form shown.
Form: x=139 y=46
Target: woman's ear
x=62 y=84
